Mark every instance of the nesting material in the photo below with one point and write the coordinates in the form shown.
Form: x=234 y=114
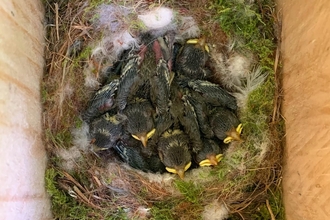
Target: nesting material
x=97 y=182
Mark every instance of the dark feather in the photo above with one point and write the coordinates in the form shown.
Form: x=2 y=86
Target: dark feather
x=103 y=101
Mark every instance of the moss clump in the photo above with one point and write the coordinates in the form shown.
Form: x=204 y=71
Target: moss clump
x=251 y=23
x=64 y=206
x=190 y=190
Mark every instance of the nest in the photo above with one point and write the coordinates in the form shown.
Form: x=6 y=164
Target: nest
x=97 y=185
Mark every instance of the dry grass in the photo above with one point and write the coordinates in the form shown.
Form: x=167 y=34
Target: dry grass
x=99 y=186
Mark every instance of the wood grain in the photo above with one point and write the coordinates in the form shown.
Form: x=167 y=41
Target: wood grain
x=306 y=108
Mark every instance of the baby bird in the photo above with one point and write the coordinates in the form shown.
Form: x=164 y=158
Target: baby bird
x=225 y=125
x=134 y=157
x=107 y=130
x=140 y=120
x=192 y=59
x=147 y=71
x=213 y=94
x=103 y=101
x=173 y=149
x=210 y=155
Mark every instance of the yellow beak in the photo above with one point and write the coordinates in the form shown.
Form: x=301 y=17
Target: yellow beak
x=234 y=135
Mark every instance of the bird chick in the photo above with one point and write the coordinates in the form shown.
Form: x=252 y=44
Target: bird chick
x=107 y=130
x=213 y=93
x=128 y=82
x=189 y=121
x=225 y=125
x=140 y=120
x=134 y=157
x=173 y=149
x=192 y=59
x=103 y=100
x=210 y=155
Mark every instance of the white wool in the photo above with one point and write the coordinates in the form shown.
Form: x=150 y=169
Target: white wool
x=123 y=41
x=157 y=18
x=238 y=66
x=215 y=211
x=139 y=213
x=69 y=157
x=81 y=137
x=112 y=45
x=253 y=81
x=165 y=178
x=264 y=148
x=112 y=17
x=90 y=78
x=188 y=28
x=233 y=69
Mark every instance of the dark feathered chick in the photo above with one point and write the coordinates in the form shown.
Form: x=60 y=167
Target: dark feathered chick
x=210 y=155
x=225 y=125
x=200 y=108
x=160 y=87
x=134 y=157
x=107 y=130
x=192 y=59
x=103 y=100
x=173 y=149
x=129 y=81
x=140 y=120
x=213 y=94
x=190 y=123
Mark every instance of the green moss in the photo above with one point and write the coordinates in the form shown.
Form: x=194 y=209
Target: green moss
x=162 y=210
x=190 y=190
x=246 y=22
x=64 y=206
x=59 y=139
x=251 y=25
x=275 y=204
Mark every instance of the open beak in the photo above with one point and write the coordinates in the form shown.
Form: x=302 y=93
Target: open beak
x=143 y=138
x=234 y=135
x=212 y=160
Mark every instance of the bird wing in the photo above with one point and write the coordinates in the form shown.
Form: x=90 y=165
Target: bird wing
x=213 y=94
x=102 y=101
x=128 y=78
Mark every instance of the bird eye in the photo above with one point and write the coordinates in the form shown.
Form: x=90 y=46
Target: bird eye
x=171 y=170
x=187 y=166
x=151 y=133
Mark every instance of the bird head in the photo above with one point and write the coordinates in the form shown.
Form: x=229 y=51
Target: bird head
x=144 y=136
x=209 y=155
x=179 y=170
x=200 y=43
x=140 y=121
x=174 y=153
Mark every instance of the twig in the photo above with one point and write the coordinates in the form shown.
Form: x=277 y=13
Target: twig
x=56 y=22
x=270 y=210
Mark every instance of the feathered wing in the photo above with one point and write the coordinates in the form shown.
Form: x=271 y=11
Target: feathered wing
x=103 y=101
x=214 y=94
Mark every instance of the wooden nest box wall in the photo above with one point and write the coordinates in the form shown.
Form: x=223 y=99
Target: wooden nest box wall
x=306 y=109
